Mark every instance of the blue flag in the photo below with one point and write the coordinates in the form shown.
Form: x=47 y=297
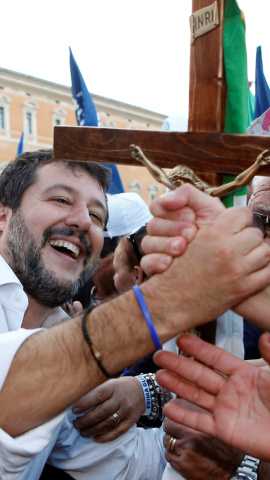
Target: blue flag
x=86 y=115
x=20 y=146
x=262 y=92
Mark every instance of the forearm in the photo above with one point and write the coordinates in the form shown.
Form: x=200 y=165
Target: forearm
x=53 y=368
x=255 y=309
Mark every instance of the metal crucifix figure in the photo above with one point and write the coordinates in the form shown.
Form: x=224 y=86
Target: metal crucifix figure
x=182 y=174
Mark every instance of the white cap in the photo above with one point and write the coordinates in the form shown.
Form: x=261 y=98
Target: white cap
x=127 y=212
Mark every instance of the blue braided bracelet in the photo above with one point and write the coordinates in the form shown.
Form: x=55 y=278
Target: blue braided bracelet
x=147 y=316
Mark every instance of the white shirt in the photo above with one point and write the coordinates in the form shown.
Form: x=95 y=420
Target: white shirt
x=136 y=455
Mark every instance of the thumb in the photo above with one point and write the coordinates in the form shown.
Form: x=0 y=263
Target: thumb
x=77 y=307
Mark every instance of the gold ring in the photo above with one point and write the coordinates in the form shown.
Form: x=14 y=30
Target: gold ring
x=172 y=443
x=117 y=418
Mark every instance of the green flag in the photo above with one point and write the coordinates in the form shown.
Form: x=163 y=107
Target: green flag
x=251 y=107
x=235 y=61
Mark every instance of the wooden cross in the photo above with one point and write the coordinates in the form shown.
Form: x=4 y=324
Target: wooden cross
x=204 y=148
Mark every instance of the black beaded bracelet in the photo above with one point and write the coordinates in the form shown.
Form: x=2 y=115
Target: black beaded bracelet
x=94 y=350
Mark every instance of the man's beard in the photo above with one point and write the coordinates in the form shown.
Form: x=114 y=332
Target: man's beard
x=25 y=260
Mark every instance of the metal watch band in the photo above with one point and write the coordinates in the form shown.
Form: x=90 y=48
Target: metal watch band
x=248 y=468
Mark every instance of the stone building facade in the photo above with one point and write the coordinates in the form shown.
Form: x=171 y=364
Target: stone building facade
x=33 y=106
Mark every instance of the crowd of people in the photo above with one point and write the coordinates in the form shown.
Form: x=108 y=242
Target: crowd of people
x=194 y=262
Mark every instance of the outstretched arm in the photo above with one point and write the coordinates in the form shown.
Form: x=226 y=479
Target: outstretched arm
x=220 y=271
x=234 y=393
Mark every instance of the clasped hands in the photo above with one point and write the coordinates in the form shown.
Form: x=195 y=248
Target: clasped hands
x=222 y=248
x=221 y=257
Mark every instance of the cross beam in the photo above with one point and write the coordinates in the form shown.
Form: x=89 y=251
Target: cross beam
x=201 y=151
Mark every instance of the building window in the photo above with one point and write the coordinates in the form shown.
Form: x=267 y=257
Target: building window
x=135 y=186
x=30 y=119
x=4 y=115
x=29 y=125
x=59 y=116
x=153 y=190
x=2 y=118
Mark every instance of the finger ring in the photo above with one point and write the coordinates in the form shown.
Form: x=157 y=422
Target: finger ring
x=117 y=418
x=172 y=443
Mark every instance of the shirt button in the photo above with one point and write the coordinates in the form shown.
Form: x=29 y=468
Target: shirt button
x=17 y=297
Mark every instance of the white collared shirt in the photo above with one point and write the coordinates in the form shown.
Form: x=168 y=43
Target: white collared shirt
x=136 y=455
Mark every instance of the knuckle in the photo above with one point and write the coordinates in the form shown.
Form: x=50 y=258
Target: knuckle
x=241 y=289
x=100 y=396
x=223 y=255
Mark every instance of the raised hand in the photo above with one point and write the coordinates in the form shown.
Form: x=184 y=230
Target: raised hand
x=235 y=394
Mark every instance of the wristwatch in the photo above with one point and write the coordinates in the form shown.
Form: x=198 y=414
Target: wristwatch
x=247 y=470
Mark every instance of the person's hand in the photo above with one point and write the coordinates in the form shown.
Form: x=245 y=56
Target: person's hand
x=122 y=396
x=175 y=223
x=223 y=265
x=198 y=456
x=72 y=308
x=77 y=307
x=234 y=393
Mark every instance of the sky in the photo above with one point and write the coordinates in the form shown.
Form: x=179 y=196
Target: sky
x=135 y=52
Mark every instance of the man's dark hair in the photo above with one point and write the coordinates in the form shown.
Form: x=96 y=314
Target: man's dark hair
x=20 y=174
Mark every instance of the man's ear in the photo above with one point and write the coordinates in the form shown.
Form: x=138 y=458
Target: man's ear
x=138 y=275
x=5 y=213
